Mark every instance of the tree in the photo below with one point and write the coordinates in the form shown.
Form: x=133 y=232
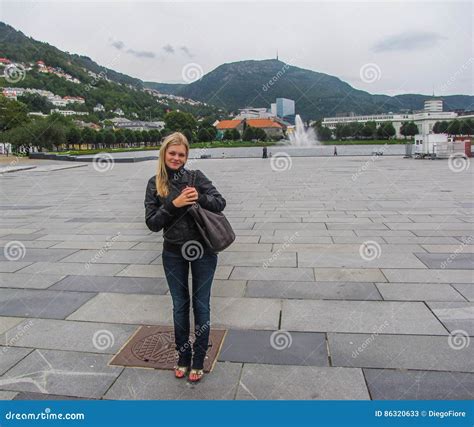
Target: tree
x=466 y=127
x=323 y=133
x=235 y=135
x=188 y=134
x=453 y=127
x=227 y=135
x=408 y=129
x=179 y=121
x=249 y=134
x=212 y=133
x=73 y=136
x=203 y=135
x=119 y=137
x=386 y=130
x=99 y=139
x=369 y=129
x=88 y=136
x=12 y=114
x=109 y=138
x=440 y=127
x=260 y=134
x=35 y=102
x=145 y=136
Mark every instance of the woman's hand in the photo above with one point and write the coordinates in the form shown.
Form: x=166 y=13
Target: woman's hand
x=188 y=196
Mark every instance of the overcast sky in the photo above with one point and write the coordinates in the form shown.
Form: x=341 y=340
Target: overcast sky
x=388 y=47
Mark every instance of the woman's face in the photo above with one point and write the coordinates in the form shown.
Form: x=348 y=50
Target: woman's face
x=175 y=156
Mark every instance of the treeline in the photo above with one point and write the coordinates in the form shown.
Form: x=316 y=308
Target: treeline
x=455 y=127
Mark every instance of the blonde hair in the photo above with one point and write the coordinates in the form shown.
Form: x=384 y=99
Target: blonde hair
x=176 y=138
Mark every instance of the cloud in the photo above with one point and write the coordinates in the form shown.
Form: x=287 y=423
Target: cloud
x=168 y=48
x=408 y=41
x=141 y=53
x=118 y=44
x=186 y=51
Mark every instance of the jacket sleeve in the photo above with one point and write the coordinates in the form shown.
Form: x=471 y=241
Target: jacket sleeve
x=209 y=198
x=157 y=215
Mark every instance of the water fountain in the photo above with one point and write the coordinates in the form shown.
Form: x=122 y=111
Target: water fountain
x=302 y=137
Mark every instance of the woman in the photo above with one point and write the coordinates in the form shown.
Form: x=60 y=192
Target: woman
x=166 y=202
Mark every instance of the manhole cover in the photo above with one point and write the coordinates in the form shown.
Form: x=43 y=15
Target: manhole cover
x=153 y=347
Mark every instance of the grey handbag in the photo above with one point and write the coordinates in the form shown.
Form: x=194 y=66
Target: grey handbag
x=214 y=227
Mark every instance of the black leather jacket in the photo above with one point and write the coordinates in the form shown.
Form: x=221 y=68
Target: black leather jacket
x=178 y=225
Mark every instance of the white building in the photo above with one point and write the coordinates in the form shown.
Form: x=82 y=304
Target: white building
x=119 y=112
x=253 y=113
x=99 y=107
x=434 y=105
x=69 y=112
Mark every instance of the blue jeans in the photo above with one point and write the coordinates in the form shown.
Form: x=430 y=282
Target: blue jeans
x=176 y=270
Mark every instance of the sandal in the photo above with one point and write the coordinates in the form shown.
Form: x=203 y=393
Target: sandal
x=180 y=371
x=195 y=375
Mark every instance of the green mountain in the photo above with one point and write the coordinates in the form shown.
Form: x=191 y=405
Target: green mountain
x=107 y=87
x=257 y=84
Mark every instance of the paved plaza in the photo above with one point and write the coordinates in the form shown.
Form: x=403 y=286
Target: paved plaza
x=350 y=278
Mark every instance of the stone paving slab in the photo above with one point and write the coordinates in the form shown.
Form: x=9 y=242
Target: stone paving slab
x=8 y=395
x=70 y=268
x=275 y=347
x=7 y=323
x=455 y=315
x=257 y=313
x=78 y=244
x=387 y=384
x=30 y=281
x=428 y=276
x=272 y=273
x=28 y=395
x=466 y=289
x=68 y=335
x=349 y=275
x=35 y=255
x=401 y=352
x=259 y=382
x=359 y=316
x=154 y=384
x=12 y=266
x=312 y=290
x=63 y=373
x=386 y=259
x=131 y=285
x=460 y=261
x=11 y=356
x=419 y=292
x=112 y=256
x=41 y=303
